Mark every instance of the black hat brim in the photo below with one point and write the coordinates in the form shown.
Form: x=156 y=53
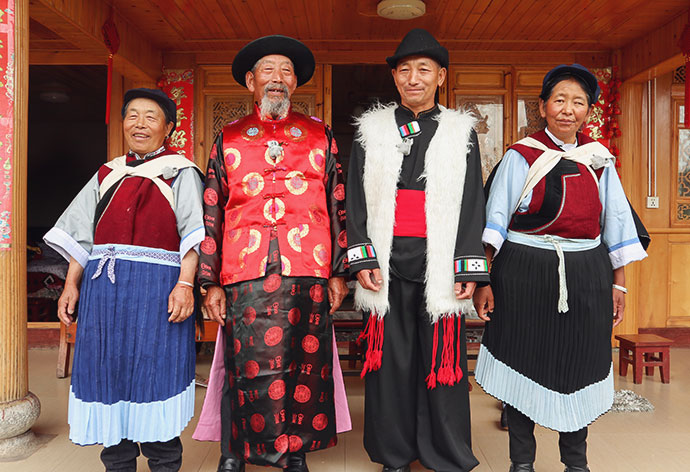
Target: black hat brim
x=438 y=54
x=300 y=55
x=167 y=105
x=580 y=72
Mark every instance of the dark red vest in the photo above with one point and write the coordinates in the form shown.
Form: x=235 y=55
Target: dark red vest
x=565 y=202
x=287 y=196
x=136 y=214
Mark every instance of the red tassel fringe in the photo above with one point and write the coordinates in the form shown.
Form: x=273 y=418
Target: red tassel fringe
x=449 y=372
x=373 y=333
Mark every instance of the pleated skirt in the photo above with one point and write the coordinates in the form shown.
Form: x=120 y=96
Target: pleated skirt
x=133 y=371
x=554 y=367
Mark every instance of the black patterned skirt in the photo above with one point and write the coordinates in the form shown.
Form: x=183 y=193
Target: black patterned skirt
x=554 y=367
x=278 y=390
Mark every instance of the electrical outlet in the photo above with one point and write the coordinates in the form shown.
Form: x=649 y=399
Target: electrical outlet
x=652 y=202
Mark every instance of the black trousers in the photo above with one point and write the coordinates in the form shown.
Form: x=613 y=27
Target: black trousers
x=523 y=446
x=403 y=420
x=163 y=456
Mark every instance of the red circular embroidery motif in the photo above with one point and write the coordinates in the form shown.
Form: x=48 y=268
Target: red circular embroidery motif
x=281 y=443
x=249 y=315
x=272 y=283
x=316 y=293
x=210 y=197
x=238 y=346
x=257 y=422
x=302 y=394
x=251 y=369
x=325 y=371
x=293 y=316
x=208 y=246
x=339 y=192
x=320 y=422
x=342 y=239
x=295 y=443
x=310 y=344
x=273 y=335
x=276 y=390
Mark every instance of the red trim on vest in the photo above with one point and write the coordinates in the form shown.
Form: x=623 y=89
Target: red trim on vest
x=410 y=217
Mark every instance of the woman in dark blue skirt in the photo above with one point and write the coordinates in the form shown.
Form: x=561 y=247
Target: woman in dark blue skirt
x=560 y=231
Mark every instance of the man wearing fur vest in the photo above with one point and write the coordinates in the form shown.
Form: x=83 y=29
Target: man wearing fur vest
x=415 y=217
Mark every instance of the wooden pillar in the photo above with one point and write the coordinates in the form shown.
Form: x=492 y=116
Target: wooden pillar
x=18 y=407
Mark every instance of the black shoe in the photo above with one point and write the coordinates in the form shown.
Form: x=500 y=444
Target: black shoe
x=521 y=467
x=405 y=468
x=297 y=462
x=230 y=464
x=574 y=468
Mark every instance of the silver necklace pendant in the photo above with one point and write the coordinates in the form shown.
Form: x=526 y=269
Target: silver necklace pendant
x=275 y=150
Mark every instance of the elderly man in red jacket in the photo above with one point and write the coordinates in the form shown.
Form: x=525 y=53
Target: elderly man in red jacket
x=273 y=263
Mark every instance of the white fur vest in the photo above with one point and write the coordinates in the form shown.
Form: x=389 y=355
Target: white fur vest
x=445 y=163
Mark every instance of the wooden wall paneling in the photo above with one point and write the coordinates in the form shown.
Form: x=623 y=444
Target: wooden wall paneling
x=477 y=86
x=328 y=94
x=678 y=276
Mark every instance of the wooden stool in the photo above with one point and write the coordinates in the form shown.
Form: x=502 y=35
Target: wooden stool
x=644 y=350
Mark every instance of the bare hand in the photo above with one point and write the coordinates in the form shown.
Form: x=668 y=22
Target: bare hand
x=180 y=303
x=484 y=302
x=618 y=306
x=67 y=303
x=370 y=279
x=464 y=290
x=214 y=304
x=337 y=291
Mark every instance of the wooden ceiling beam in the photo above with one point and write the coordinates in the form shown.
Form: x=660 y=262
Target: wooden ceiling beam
x=79 y=22
x=655 y=53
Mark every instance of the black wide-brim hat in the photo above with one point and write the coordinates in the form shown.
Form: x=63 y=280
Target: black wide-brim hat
x=419 y=42
x=578 y=71
x=300 y=55
x=169 y=107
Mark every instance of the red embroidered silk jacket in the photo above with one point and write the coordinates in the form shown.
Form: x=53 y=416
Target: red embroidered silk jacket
x=299 y=195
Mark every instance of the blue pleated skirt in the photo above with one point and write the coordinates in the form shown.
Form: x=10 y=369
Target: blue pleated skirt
x=133 y=371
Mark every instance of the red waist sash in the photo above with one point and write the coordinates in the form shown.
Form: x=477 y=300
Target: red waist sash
x=410 y=218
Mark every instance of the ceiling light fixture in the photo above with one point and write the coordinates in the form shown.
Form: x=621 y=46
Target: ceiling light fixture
x=401 y=9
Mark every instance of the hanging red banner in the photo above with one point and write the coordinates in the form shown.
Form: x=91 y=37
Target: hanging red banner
x=6 y=119
x=602 y=124
x=179 y=86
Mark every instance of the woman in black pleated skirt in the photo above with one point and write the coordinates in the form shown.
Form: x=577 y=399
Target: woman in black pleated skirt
x=560 y=231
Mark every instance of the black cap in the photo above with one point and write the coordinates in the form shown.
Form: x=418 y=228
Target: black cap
x=167 y=105
x=300 y=55
x=419 y=42
x=576 y=70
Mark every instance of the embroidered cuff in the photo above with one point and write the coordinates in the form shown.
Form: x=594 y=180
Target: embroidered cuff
x=361 y=253
x=471 y=268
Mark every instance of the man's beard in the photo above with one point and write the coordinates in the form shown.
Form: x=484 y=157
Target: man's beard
x=275 y=107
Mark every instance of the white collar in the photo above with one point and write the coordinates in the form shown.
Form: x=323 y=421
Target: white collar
x=561 y=144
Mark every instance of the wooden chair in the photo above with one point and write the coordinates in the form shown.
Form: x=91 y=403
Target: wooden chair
x=644 y=350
